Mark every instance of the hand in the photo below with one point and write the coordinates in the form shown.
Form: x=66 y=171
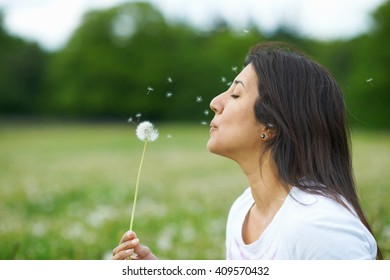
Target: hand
x=129 y=246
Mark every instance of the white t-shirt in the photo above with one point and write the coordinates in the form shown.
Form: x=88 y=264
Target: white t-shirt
x=306 y=227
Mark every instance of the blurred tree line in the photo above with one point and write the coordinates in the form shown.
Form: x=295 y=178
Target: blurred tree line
x=129 y=59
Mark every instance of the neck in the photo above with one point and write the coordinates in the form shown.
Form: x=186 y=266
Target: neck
x=267 y=189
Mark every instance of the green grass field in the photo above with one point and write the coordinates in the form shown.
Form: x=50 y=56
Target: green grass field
x=66 y=190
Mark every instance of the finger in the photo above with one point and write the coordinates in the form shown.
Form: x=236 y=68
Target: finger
x=123 y=255
x=126 y=246
x=127 y=236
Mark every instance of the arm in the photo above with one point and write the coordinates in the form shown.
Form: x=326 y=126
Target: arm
x=129 y=246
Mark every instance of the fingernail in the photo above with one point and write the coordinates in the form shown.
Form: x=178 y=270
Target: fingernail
x=129 y=251
x=129 y=233
x=134 y=241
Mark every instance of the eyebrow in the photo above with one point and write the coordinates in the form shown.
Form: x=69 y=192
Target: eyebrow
x=239 y=82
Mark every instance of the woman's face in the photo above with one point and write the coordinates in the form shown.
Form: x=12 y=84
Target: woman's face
x=235 y=132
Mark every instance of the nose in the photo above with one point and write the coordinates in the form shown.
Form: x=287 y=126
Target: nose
x=217 y=104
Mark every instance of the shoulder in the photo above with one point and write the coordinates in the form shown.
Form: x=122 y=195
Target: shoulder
x=321 y=228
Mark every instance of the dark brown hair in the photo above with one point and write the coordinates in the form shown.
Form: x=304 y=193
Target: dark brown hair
x=301 y=101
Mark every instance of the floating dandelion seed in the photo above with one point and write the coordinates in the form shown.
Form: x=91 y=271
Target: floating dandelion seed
x=130 y=120
x=199 y=99
x=223 y=79
x=245 y=30
x=169 y=136
x=169 y=94
x=147 y=133
x=206 y=112
x=229 y=84
x=235 y=69
x=369 y=80
x=170 y=81
x=203 y=123
x=138 y=116
x=149 y=89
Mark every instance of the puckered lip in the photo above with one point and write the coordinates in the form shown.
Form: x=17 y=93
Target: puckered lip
x=213 y=125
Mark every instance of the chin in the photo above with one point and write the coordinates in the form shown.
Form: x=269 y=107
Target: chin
x=215 y=148
x=212 y=146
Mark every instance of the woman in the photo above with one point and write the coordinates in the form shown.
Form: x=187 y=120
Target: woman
x=283 y=121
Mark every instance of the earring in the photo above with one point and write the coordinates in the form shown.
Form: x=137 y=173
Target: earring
x=262 y=136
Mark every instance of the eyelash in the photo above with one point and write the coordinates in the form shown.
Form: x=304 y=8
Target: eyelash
x=234 y=96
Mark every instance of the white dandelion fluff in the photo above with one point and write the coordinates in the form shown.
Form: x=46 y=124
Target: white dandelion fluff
x=199 y=99
x=149 y=89
x=206 y=112
x=169 y=94
x=235 y=69
x=146 y=132
x=169 y=79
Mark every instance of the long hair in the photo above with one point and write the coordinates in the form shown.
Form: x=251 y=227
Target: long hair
x=303 y=104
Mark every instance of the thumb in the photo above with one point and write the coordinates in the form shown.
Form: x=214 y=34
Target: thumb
x=142 y=252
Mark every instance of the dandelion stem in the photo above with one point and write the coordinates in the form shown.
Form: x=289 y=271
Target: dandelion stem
x=137 y=185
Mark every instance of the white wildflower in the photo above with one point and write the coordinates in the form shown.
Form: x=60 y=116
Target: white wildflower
x=146 y=132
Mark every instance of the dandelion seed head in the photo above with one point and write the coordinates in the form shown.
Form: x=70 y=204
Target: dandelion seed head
x=199 y=99
x=146 y=132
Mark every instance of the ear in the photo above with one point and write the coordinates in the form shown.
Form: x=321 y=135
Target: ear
x=267 y=132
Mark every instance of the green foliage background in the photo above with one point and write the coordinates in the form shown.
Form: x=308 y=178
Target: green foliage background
x=116 y=54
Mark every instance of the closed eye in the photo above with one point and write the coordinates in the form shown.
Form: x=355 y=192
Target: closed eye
x=234 y=96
